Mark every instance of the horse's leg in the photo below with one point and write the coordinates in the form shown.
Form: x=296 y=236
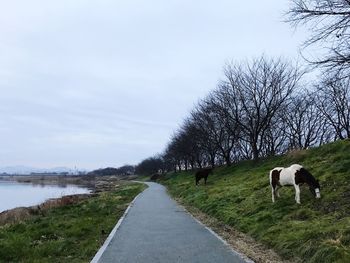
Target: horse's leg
x=297 y=193
x=277 y=191
x=273 y=194
x=205 y=180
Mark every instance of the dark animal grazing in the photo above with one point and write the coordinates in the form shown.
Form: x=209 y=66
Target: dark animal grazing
x=295 y=175
x=155 y=177
x=203 y=173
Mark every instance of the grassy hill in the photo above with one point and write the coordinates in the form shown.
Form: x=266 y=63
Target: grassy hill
x=318 y=230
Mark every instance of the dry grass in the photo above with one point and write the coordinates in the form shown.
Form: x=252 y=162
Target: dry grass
x=22 y=213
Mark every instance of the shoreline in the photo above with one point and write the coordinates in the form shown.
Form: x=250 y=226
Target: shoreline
x=72 y=232
x=20 y=213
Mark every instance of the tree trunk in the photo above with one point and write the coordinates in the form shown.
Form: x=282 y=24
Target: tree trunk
x=255 y=151
x=228 y=160
x=212 y=161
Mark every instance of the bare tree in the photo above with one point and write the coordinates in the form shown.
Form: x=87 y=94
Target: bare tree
x=253 y=94
x=181 y=144
x=333 y=100
x=222 y=131
x=193 y=144
x=275 y=139
x=206 y=132
x=329 y=21
x=150 y=165
x=170 y=157
x=304 y=124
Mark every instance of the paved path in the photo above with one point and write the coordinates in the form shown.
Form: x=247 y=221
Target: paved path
x=156 y=229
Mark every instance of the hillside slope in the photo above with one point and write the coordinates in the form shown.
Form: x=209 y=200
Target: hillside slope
x=318 y=230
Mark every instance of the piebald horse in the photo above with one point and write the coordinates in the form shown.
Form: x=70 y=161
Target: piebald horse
x=294 y=175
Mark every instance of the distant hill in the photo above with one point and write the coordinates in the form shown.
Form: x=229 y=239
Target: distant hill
x=124 y=170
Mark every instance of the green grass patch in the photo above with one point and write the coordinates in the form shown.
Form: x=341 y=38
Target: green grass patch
x=72 y=233
x=316 y=230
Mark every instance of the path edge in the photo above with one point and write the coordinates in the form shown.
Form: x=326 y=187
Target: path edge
x=102 y=249
x=239 y=254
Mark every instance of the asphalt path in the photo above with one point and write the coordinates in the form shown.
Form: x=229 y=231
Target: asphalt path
x=156 y=229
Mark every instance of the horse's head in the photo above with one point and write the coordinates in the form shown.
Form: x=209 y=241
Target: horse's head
x=315 y=189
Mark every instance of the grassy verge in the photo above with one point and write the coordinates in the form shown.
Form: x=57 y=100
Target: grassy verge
x=143 y=178
x=240 y=196
x=72 y=233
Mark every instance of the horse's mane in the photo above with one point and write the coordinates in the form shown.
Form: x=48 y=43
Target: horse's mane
x=309 y=177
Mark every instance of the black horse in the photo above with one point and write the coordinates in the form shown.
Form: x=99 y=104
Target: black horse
x=203 y=173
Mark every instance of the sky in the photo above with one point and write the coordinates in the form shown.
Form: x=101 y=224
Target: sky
x=91 y=84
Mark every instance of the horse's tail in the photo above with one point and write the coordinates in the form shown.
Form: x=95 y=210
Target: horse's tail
x=270 y=176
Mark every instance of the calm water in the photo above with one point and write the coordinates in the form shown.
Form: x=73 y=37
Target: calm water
x=14 y=194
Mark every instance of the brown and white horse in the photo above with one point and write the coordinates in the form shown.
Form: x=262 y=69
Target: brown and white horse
x=295 y=175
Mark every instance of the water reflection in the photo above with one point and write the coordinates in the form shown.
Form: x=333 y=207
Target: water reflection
x=14 y=194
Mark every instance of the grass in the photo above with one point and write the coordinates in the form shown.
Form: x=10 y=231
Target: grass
x=315 y=231
x=72 y=233
x=143 y=178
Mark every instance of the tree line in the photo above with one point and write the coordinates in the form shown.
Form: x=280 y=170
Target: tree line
x=263 y=107
x=123 y=170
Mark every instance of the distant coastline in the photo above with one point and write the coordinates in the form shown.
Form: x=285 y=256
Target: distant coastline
x=92 y=183
x=51 y=179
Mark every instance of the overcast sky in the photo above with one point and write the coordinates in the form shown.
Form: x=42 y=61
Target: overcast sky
x=104 y=83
